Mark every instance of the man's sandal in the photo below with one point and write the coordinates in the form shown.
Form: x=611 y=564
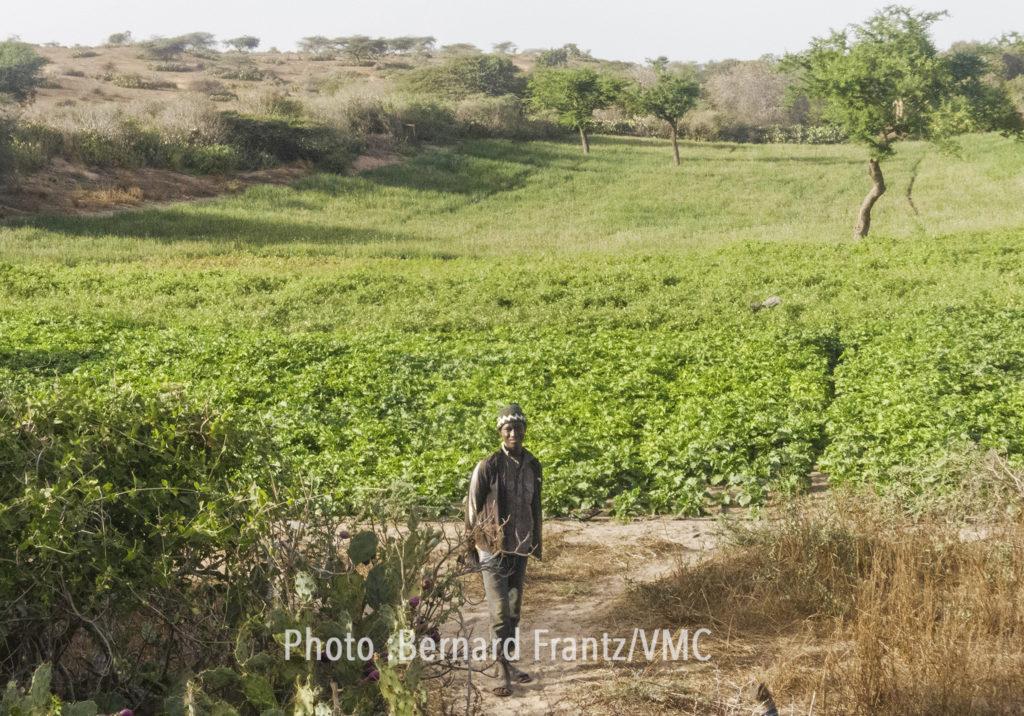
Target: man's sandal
x=520 y=676
x=502 y=691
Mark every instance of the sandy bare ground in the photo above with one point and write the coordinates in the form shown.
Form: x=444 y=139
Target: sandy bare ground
x=586 y=565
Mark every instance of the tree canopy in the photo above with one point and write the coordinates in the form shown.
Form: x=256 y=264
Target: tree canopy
x=19 y=70
x=884 y=80
x=243 y=43
x=668 y=98
x=573 y=95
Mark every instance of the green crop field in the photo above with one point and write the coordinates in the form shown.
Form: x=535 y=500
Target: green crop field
x=362 y=330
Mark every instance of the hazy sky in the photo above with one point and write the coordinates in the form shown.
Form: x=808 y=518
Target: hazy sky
x=624 y=29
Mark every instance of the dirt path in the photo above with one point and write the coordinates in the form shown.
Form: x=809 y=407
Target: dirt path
x=586 y=565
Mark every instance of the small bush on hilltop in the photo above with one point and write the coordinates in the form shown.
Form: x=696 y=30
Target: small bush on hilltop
x=136 y=81
x=119 y=39
x=176 y=67
x=168 y=48
x=245 y=43
x=465 y=75
x=242 y=72
x=19 y=71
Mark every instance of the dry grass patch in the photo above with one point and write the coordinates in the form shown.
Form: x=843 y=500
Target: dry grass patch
x=107 y=196
x=846 y=607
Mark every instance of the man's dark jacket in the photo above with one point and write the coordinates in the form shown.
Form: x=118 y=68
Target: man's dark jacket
x=503 y=512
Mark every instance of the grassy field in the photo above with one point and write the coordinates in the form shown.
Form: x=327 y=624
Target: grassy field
x=373 y=324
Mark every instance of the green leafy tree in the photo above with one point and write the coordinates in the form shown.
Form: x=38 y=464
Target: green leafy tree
x=19 y=70
x=244 y=43
x=884 y=81
x=505 y=48
x=573 y=95
x=670 y=97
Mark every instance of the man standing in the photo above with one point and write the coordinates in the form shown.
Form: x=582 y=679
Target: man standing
x=503 y=528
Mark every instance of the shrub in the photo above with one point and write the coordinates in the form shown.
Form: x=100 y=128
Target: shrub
x=466 y=75
x=799 y=134
x=83 y=53
x=264 y=140
x=19 y=70
x=701 y=124
x=558 y=57
x=6 y=150
x=498 y=117
x=33 y=145
x=335 y=82
x=71 y=72
x=175 y=67
x=162 y=49
x=119 y=39
x=211 y=159
x=425 y=120
x=206 y=86
x=137 y=81
x=178 y=559
x=272 y=104
x=357 y=113
x=245 y=73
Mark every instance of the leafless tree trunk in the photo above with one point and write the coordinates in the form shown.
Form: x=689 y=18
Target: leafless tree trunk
x=877 y=189
x=584 y=141
x=675 y=143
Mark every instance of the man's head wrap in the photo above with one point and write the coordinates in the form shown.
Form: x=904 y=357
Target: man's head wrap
x=511 y=413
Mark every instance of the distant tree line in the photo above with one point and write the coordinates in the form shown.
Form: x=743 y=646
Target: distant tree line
x=363 y=49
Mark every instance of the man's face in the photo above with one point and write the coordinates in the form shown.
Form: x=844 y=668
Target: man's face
x=512 y=435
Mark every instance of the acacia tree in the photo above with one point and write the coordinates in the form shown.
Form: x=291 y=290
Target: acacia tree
x=363 y=50
x=668 y=98
x=244 y=43
x=317 y=45
x=884 y=81
x=573 y=95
